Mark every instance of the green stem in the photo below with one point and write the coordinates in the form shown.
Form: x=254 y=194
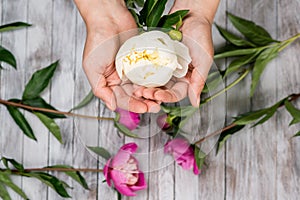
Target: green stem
x=292 y=97
x=246 y=72
x=9 y=103
x=55 y=169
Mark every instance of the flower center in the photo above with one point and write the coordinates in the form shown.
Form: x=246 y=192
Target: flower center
x=130 y=170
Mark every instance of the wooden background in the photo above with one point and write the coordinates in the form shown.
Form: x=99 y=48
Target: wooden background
x=258 y=163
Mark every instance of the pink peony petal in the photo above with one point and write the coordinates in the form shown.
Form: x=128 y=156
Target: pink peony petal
x=129 y=147
x=106 y=172
x=120 y=180
x=120 y=158
x=141 y=184
x=178 y=145
x=125 y=190
x=129 y=119
x=118 y=177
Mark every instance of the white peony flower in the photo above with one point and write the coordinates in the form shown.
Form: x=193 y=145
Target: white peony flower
x=151 y=59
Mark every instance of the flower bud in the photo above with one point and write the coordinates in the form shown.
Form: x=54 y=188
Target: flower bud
x=163 y=122
x=129 y=119
x=175 y=35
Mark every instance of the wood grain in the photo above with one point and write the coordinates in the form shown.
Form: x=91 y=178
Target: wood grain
x=16 y=43
x=38 y=56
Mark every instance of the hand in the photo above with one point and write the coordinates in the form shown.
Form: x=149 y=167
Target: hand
x=197 y=36
x=102 y=44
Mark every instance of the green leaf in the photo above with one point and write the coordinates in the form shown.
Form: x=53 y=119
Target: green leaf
x=21 y=121
x=200 y=157
x=51 y=125
x=75 y=175
x=179 y=111
x=7 y=57
x=225 y=135
x=53 y=182
x=168 y=21
x=5 y=179
x=41 y=103
x=295 y=113
x=297 y=134
x=239 y=62
x=16 y=165
x=238 y=52
x=212 y=81
x=251 y=31
x=136 y=18
x=233 y=38
x=270 y=112
x=148 y=6
x=260 y=64
x=3 y=192
x=155 y=14
x=39 y=81
x=13 y=26
x=123 y=129
x=139 y=3
x=250 y=117
x=87 y=99
x=100 y=151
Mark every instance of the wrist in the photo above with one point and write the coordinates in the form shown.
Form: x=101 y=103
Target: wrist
x=95 y=12
x=202 y=9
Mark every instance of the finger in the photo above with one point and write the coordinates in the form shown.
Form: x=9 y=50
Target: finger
x=174 y=94
x=127 y=102
x=105 y=93
x=148 y=93
x=153 y=107
x=196 y=85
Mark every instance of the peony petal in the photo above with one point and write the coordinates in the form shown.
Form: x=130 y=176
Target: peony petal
x=120 y=180
x=125 y=190
x=141 y=184
x=129 y=147
x=120 y=158
x=106 y=172
x=129 y=119
x=183 y=57
x=118 y=177
x=178 y=145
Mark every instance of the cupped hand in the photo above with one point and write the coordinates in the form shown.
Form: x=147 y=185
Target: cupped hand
x=102 y=43
x=197 y=36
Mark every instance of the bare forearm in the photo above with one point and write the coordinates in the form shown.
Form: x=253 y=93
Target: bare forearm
x=203 y=8
x=92 y=10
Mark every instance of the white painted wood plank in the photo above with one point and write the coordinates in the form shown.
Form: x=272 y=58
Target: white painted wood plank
x=263 y=172
x=110 y=139
x=12 y=84
x=161 y=166
x=238 y=148
x=288 y=181
x=85 y=130
x=39 y=51
x=211 y=180
x=62 y=88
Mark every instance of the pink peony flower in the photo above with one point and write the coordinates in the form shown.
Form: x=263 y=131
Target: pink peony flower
x=129 y=119
x=183 y=153
x=123 y=171
x=162 y=122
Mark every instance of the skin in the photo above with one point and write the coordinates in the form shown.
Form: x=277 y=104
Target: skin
x=105 y=19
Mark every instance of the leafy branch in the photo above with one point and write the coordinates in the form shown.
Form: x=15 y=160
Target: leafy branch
x=257 y=117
